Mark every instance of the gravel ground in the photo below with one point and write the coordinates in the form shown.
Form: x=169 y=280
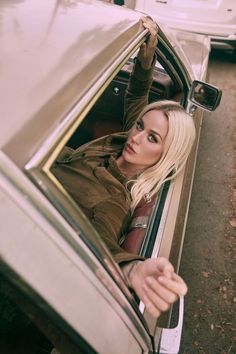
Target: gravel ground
x=208 y=262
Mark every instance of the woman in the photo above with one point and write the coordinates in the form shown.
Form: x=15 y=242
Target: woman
x=108 y=177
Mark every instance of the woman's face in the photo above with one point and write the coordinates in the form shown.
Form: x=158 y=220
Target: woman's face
x=145 y=142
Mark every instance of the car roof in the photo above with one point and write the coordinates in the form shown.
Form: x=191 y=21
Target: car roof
x=48 y=46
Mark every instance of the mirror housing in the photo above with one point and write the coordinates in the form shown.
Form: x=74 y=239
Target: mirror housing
x=205 y=95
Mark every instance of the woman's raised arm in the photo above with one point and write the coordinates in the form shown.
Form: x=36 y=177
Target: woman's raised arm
x=137 y=92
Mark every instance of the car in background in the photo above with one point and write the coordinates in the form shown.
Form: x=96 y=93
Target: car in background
x=214 y=18
x=64 y=74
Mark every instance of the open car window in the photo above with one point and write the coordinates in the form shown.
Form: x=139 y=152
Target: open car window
x=99 y=117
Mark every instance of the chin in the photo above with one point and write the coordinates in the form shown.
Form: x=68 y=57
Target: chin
x=129 y=159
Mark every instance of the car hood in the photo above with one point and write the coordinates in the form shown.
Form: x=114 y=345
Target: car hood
x=216 y=17
x=200 y=11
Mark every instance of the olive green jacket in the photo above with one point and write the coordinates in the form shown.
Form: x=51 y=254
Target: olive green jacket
x=91 y=176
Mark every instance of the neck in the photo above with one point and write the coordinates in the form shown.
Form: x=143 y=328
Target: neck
x=127 y=169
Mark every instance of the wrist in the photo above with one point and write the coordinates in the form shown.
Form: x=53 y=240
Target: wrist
x=129 y=270
x=148 y=62
x=142 y=74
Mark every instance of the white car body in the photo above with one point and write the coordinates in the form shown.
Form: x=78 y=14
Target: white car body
x=215 y=18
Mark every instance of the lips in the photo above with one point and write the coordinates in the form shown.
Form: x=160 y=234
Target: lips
x=129 y=149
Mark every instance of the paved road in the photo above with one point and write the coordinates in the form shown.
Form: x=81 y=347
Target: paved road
x=209 y=249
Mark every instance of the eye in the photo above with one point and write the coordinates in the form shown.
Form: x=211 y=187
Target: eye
x=139 y=125
x=152 y=138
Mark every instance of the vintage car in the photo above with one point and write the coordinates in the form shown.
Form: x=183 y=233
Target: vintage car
x=65 y=65
x=215 y=18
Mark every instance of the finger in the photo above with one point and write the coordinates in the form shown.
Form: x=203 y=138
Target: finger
x=156 y=295
x=156 y=267
x=157 y=302
x=150 y=25
x=147 y=20
x=152 y=41
x=143 y=48
x=177 y=278
x=164 y=266
x=159 y=294
x=175 y=284
x=153 y=310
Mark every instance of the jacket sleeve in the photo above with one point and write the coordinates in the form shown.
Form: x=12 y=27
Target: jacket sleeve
x=136 y=97
x=108 y=224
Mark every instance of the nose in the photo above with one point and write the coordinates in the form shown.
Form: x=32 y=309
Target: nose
x=137 y=137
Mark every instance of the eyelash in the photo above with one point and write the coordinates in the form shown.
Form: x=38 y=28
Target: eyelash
x=152 y=138
x=139 y=125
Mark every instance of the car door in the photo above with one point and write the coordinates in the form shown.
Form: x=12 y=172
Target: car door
x=67 y=287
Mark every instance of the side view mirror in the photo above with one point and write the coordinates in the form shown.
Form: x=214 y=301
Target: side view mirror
x=205 y=95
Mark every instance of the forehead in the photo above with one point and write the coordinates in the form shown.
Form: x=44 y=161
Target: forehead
x=155 y=118
x=157 y=121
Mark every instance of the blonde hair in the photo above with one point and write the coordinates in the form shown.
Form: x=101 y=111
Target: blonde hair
x=177 y=146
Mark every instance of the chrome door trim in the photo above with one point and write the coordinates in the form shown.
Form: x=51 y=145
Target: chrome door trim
x=171 y=337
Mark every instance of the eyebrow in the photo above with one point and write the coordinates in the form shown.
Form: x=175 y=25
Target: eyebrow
x=153 y=131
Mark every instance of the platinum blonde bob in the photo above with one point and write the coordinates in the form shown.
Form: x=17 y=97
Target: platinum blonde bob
x=177 y=146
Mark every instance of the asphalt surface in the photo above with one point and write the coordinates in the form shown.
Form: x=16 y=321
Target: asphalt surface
x=208 y=260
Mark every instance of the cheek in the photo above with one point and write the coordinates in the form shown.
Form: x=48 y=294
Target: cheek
x=155 y=153
x=131 y=132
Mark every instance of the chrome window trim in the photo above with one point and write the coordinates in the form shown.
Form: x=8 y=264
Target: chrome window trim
x=164 y=42
x=61 y=135
x=38 y=168
x=159 y=233
x=176 y=76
